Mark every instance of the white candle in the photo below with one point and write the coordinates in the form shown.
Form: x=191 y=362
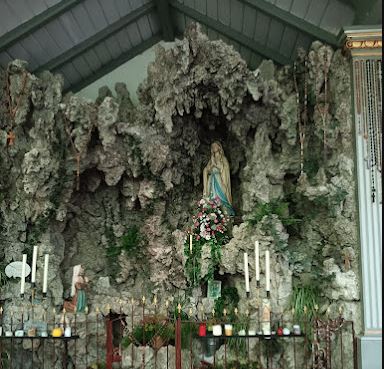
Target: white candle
x=246 y=272
x=23 y=269
x=257 y=261
x=34 y=260
x=190 y=243
x=45 y=279
x=267 y=272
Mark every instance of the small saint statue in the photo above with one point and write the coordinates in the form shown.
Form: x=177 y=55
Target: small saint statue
x=216 y=178
x=266 y=317
x=79 y=285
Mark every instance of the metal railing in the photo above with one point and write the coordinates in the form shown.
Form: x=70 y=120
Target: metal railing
x=140 y=336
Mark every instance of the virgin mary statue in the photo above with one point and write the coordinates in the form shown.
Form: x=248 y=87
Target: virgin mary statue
x=216 y=178
x=79 y=284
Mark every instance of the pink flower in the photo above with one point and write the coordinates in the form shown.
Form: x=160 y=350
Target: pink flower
x=198 y=237
x=216 y=221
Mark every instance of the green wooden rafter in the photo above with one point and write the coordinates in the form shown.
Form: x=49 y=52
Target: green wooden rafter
x=96 y=39
x=232 y=34
x=165 y=20
x=30 y=26
x=292 y=20
x=123 y=58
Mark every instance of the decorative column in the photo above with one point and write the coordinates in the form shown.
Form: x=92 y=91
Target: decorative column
x=365 y=47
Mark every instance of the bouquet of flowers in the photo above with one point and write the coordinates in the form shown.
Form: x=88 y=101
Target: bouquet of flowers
x=209 y=227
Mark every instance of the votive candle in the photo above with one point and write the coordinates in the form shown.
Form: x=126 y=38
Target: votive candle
x=190 y=243
x=23 y=269
x=257 y=261
x=34 y=260
x=45 y=278
x=246 y=272
x=267 y=272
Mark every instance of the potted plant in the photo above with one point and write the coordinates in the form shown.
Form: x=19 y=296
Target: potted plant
x=154 y=330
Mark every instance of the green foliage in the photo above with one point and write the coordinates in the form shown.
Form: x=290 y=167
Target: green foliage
x=330 y=202
x=278 y=207
x=37 y=229
x=239 y=344
x=244 y=364
x=192 y=266
x=193 y=263
x=270 y=228
x=228 y=300
x=189 y=330
x=145 y=332
x=132 y=243
x=304 y=301
x=304 y=296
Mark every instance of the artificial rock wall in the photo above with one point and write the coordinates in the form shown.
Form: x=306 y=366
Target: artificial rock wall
x=80 y=174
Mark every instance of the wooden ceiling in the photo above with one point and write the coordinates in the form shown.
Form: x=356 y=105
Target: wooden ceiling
x=85 y=39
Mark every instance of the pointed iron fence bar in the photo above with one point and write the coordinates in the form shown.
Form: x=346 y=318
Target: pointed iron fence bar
x=132 y=317
x=144 y=343
x=341 y=349
x=97 y=338
x=178 y=341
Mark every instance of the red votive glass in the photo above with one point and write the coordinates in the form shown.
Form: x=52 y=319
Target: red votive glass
x=202 y=330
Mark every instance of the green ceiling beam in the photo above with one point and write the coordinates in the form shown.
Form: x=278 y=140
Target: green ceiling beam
x=165 y=20
x=243 y=40
x=123 y=58
x=38 y=21
x=292 y=20
x=97 y=38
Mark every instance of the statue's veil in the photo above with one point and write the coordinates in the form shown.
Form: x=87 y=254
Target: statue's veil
x=76 y=273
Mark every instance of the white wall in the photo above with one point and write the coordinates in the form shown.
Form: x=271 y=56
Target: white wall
x=132 y=73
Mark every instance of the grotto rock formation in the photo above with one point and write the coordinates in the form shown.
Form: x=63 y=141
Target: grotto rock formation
x=110 y=179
